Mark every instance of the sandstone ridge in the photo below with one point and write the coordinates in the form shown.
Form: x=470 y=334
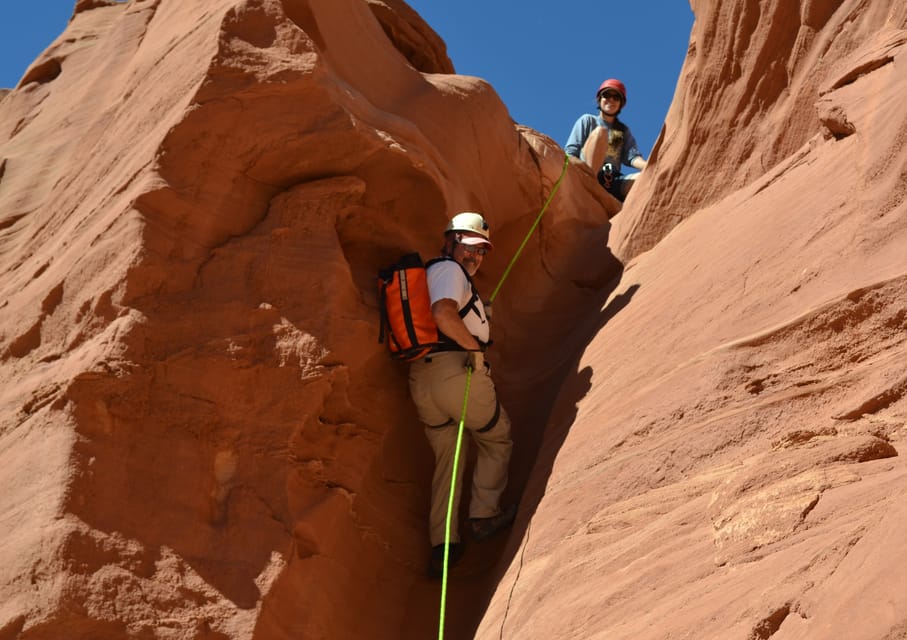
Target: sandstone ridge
x=201 y=437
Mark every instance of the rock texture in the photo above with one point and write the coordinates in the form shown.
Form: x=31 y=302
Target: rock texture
x=726 y=458
x=201 y=438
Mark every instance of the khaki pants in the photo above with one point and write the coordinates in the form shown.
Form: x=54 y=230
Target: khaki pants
x=438 y=385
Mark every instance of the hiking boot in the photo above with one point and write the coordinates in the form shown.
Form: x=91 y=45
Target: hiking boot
x=436 y=565
x=486 y=527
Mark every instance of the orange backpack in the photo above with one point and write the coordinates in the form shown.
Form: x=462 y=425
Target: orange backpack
x=405 y=307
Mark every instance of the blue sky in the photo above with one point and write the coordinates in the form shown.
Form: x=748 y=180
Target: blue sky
x=544 y=61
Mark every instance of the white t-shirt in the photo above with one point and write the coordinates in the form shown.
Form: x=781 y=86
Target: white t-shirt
x=447 y=280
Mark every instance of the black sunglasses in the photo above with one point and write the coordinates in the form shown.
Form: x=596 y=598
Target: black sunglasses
x=610 y=95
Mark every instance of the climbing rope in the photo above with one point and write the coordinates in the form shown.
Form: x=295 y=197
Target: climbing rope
x=450 y=501
x=453 y=475
x=538 y=219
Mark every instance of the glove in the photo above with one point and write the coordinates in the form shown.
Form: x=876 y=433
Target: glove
x=475 y=361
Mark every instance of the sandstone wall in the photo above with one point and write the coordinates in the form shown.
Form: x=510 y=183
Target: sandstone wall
x=200 y=436
x=726 y=460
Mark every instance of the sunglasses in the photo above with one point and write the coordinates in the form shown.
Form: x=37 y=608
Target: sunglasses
x=610 y=95
x=473 y=249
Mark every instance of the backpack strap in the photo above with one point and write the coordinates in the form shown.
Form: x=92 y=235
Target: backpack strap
x=471 y=303
x=469 y=306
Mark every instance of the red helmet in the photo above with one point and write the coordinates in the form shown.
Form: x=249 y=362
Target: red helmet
x=617 y=85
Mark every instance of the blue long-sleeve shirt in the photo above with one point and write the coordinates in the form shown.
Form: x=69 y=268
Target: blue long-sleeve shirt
x=584 y=126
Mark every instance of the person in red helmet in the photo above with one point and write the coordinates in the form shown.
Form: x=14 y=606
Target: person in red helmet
x=605 y=143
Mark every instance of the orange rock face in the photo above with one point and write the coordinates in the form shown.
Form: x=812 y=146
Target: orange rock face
x=725 y=457
x=200 y=436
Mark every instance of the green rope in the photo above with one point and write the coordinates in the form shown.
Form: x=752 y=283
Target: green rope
x=538 y=219
x=450 y=502
x=453 y=476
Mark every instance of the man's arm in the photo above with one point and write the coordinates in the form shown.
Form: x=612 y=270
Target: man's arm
x=639 y=163
x=448 y=319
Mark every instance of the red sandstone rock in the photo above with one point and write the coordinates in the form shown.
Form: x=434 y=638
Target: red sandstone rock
x=723 y=461
x=201 y=438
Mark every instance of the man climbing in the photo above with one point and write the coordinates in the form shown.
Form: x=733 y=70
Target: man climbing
x=438 y=387
x=605 y=143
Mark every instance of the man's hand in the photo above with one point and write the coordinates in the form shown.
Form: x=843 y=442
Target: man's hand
x=475 y=360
